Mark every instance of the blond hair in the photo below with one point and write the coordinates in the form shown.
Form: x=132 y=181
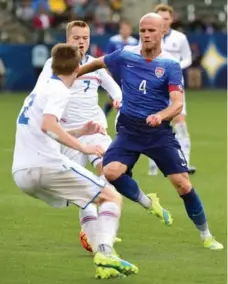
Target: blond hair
x=164 y=8
x=73 y=24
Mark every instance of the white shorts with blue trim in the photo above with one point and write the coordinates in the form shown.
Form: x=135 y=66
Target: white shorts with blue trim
x=61 y=185
x=80 y=158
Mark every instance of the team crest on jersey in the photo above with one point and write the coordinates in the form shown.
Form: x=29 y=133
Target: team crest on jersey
x=159 y=72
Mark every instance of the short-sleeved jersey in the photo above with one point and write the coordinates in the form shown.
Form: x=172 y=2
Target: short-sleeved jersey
x=83 y=105
x=117 y=42
x=176 y=43
x=34 y=148
x=145 y=84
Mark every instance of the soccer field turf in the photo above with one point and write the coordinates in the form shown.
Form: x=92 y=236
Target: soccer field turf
x=39 y=244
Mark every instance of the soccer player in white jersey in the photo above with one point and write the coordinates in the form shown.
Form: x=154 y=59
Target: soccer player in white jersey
x=177 y=44
x=43 y=172
x=84 y=107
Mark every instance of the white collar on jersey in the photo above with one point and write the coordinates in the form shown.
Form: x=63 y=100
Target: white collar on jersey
x=84 y=59
x=167 y=35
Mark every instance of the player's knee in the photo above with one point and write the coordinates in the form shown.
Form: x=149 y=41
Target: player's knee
x=114 y=170
x=109 y=194
x=181 y=182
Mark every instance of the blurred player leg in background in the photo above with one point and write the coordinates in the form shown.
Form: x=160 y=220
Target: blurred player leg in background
x=108 y=107
x=183 y=137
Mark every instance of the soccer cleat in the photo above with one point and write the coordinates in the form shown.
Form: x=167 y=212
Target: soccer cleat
x=191 y=170
x=107 y=273
x=117 y=240
x=85 y=244
x=212 y=244
x=113 y=261
x=163 y=214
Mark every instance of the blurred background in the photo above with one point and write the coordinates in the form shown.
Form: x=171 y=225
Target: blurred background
x=27 y=23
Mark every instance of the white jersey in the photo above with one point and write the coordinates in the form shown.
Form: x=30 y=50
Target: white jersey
x=83 y=105
x=177 y=44
x=34 y=148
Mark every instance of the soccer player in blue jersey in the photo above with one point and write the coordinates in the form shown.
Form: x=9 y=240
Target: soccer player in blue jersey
x=116 y=42
x=151 y=78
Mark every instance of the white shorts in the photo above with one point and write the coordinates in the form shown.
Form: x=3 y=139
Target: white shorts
x=81 y=158
x=59 y=186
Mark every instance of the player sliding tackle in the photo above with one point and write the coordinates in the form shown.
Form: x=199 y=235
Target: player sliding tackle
x=150 y=79
x=43 y=172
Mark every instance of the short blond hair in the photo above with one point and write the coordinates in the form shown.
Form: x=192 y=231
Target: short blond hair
x=73 y=24
x=65 y=59
x=164 y=8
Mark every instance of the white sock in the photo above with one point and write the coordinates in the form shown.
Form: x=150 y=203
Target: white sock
x=107 y=223
x=153 y=167
x=204 y=231
x=183 y=138
x=88 y=221
x=152 y=164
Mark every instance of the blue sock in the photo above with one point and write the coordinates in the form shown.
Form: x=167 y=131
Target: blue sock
x=129 y=188
x=194 y=208
x=107 y=108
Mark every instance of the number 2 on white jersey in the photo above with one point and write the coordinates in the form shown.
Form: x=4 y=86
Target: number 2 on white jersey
x=142 y=86
x=23 y=116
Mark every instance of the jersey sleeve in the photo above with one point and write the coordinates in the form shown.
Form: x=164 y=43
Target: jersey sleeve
x=175 y=77
x=186 y=54
x=110 y=47
x=108 y=83
x=56 y=104
x=134 y=41
x=46 y=72
x=113 y=59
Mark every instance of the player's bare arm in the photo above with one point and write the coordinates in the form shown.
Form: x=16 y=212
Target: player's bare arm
x=112 y=88
x=91 y=67
x=168 y=113
x=174 y=108
x=89 y=128
x=51 y=127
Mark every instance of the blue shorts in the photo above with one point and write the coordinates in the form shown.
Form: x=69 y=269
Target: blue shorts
x=160 y=145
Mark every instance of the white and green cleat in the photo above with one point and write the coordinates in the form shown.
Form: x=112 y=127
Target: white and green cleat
x=212 y=244
x=157 y=210
x=107 y=273
x=113 y=261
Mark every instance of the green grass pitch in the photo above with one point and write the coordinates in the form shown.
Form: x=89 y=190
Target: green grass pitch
x=39 y=244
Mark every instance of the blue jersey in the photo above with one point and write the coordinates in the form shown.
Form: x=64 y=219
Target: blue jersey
x=145 y=84
x=116 y=42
